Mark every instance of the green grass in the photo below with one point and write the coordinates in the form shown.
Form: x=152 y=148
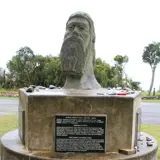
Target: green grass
x=151 y=100
x=2 y=90
x=5 y=90
x=10 y=122
x=154 y=131
x=145 y=93
x=6 y=97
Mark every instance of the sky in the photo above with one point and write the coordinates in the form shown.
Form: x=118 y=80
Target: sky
x=122 y=27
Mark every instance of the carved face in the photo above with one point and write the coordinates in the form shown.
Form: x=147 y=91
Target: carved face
x=76 y=41
x=79 y=27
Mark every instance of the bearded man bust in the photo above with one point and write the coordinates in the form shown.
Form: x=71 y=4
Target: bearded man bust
x=78 y=52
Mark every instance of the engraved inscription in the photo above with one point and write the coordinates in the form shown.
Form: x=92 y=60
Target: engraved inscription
x=80 y=133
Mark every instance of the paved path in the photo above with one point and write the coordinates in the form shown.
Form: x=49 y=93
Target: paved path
x=150 y=111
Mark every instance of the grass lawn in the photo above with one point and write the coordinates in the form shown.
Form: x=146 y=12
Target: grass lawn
x=154 y=131
x=10 y=97
x=10 y=122
x=151 y=100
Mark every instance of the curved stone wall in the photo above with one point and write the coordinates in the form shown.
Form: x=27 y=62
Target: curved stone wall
x=13 y=149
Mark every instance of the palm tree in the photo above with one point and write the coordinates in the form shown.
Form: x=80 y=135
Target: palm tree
x=151 y=55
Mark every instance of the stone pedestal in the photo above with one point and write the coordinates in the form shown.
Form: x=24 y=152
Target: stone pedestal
x=39 y=109
x=35 y=137
x=13 y=149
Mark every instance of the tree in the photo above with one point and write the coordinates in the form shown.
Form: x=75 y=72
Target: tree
x=119 y=69
x=39 y=75
x=151 y=55
x=22 y=66
x=25 y=68
x=2 y=77
x=121 y=59
x=53 y=71
x=104 y=73
x=134 y=85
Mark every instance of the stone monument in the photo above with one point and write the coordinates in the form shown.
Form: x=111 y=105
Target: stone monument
x=81 y=121
x=78 y=52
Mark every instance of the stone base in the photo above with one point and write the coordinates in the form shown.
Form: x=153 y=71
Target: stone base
x=13 y=149
x=37 y=112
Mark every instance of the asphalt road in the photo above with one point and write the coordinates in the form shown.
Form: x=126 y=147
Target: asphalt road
x=150 y=111
x=8 y=105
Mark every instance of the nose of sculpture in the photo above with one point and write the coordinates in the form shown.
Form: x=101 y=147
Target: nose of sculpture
x=76 y=31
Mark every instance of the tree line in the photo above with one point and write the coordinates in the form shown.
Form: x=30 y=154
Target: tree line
x=26 y=68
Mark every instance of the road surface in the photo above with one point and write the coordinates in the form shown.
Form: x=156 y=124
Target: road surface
x=8 y=105
x=150 y=111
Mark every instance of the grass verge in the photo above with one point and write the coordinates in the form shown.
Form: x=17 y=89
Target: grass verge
x=153 y=131
x=151 y=100
x=10 y=122
x=10 y=97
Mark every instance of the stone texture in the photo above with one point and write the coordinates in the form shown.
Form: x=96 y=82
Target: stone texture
x=78 y=52
x=137 y=125
x=40 y=109
x=12 y=149
x=21 y=126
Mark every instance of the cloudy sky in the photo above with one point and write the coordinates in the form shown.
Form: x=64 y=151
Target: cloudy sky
x=122 y=27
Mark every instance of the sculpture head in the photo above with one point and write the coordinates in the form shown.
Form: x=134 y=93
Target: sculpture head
x=78 y=48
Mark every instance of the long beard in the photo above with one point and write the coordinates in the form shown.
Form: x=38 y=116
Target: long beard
x=73 y=56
